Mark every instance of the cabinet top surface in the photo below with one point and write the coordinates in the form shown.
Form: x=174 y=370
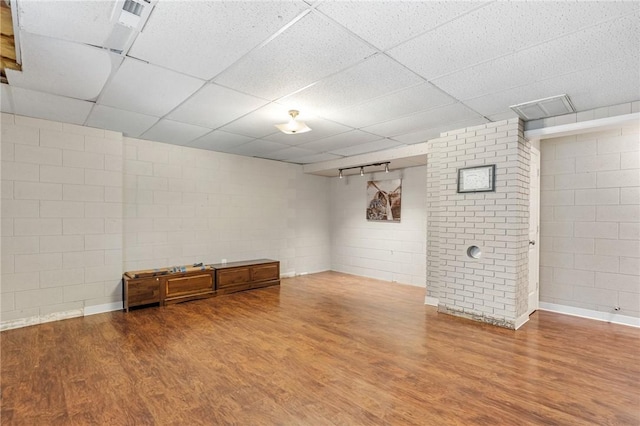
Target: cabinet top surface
x=242 y=263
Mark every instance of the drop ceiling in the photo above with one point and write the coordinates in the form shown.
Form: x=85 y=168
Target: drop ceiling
x=365 y=76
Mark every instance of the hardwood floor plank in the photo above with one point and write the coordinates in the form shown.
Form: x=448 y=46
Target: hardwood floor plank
x=323 y=349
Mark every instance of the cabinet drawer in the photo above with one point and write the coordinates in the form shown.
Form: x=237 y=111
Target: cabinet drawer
x=143 y=291
x=232 y=277
x=265 y=272
x=188 y=285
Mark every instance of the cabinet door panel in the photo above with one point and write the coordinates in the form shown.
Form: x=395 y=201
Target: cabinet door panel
x=231 y=277
x=143 y=291
x=265 y=272
x=188 y=285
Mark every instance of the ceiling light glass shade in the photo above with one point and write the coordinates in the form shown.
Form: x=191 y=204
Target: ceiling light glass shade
x=293 y=127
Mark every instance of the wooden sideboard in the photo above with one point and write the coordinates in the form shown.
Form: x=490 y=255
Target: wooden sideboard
x=174 y=285
x=239 y=276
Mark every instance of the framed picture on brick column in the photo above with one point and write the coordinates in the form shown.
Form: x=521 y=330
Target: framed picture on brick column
x=477 y=179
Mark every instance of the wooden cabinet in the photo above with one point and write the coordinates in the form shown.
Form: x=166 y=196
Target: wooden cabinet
x=188 y=286
x=173 y=285
x=164 y=286
x=141 y=291
x=239 y=276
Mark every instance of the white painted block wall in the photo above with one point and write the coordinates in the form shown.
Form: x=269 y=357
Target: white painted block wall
x=386 y=251
x=61 y=219
x=185 y=205
x=80 y=206
x=590 y=221
x=492 y=288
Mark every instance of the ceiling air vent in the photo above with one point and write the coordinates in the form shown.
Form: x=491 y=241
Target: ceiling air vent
x=132 y=7
x=544 y=108
x=132 y=12
x=129 y=17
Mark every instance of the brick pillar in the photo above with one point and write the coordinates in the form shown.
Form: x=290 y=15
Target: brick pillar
x=493 y=288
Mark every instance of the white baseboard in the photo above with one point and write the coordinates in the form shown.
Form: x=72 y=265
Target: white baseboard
x=521 y=321
x=58 y=316
x=590 y=314
x=19 y=323
x=40 y=319
x=100 y=309
x=431 y=301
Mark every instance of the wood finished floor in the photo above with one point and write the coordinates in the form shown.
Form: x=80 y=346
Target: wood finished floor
x=323 y=349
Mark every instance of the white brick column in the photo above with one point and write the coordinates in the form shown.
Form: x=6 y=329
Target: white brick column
x=492 y=288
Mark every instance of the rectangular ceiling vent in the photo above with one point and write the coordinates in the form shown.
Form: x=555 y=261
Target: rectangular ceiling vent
x=544 y=108
x=128 y=18
x=132 y=7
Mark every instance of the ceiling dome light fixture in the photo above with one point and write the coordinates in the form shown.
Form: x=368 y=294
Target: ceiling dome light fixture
x=293 y=127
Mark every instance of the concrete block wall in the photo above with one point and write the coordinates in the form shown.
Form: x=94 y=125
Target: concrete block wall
x=61 y=220
x=184 y=205
x=590 y=221
x=493 y=288
x=386 y=251
x=81 y=205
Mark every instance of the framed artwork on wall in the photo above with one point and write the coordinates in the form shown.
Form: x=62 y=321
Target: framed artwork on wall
x=477 y=179
x=384 y=200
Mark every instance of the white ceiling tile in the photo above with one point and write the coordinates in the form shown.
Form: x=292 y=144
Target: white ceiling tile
x=403 y=102
x=320 y=128
x=343 y=140
x=288 y=153
x=203 y=38
x=6 y=105
x=480 y=58
x=50 y=107
x=131 y=124
x=498 y=29
x=213 y=106
x=364 y=148
x=314 y=158
x=309 y=50
x=62 y=67
x=147 y=89
x=620 y=78
x=424 y=135
x=256 y=148
x=584 y=49
x=372 y=78
x=219 y=141
x=80 y=21
x=387 y=23
x=174 y=132
x=423 y=120
x=502 y=116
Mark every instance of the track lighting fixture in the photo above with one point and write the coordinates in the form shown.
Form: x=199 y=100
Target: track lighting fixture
x=386 y=168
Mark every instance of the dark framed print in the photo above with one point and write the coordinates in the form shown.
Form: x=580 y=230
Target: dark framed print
x=477 y=179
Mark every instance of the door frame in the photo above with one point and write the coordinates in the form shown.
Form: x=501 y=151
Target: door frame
x=533 y=300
